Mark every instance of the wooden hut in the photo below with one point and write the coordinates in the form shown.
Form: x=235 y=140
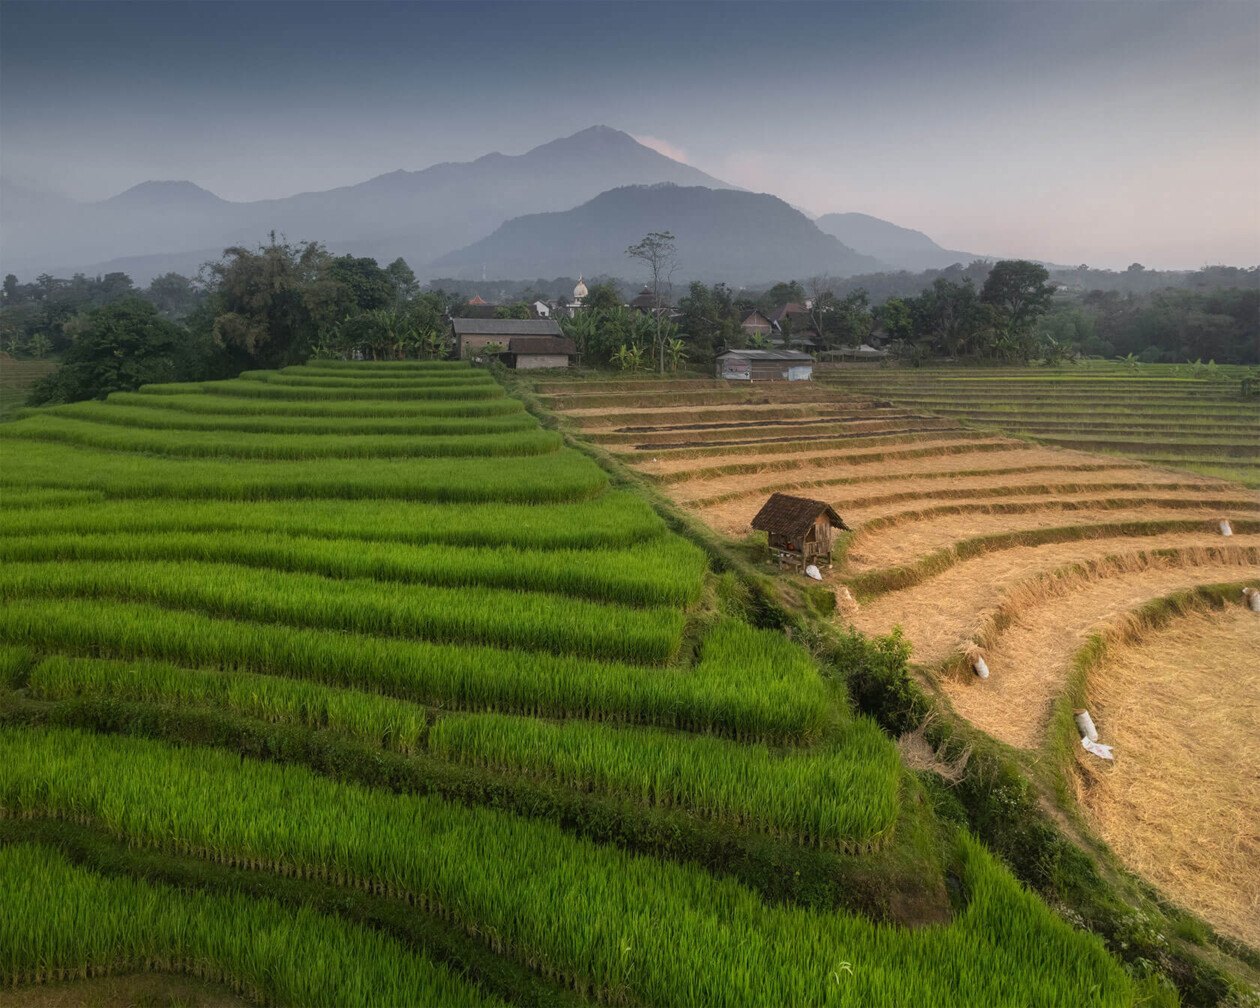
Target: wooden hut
x=800 y=529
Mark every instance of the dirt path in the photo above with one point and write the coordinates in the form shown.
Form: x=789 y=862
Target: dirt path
x=1181 y=804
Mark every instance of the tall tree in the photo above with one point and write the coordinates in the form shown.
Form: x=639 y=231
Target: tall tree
x=658 y=251
x=1018 y=289
x=126 y=344
x=270 y=303
x=403 y=280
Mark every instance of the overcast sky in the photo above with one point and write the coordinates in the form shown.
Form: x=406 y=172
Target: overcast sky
x=1099 y=132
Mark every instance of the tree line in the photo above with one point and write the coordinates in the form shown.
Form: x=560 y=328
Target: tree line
x=281 y=302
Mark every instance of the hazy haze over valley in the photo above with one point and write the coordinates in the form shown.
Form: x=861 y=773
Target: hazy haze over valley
x=1124 y=132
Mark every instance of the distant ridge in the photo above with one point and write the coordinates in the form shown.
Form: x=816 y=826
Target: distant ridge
x=415 y=214
x=722 y=234
x=900 y=247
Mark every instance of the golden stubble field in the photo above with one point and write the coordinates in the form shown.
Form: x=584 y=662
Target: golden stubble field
x=977 y=543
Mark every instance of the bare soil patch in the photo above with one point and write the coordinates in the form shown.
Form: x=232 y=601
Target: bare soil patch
x=1181 y=804
x=902 y=544
x=799 y=462
x=997 y=468
x=1029 y=662
x=939 y=615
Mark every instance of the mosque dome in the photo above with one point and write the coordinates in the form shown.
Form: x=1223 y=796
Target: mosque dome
x=580 y=290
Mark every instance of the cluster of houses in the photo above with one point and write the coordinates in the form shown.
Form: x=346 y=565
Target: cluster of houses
x=789 y=338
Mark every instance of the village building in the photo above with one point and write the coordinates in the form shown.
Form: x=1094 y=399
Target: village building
x=477 y=307
x=756 y=324
x=541 y=309
x=800 y=530
x=765 y=365
x=472 y=335
x=529 y=352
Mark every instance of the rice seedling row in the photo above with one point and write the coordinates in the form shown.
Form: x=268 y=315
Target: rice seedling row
x=469 y=614
x=270 y=390
x=748 y=684
x=362 y=381
x=563 y=475
x=167 y=419
x=604 y=920
x=789 y=794
x=666 y=571
x=61 y=922
x=233 y=443
x=194 y=401
x=615 y=520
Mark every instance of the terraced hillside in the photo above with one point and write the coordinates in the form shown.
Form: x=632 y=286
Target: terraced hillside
x=976 y=543
x=1160 y=414
x=348 y=684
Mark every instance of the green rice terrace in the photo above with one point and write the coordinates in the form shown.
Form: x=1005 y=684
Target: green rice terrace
x=350 y=684
x=1179 y=417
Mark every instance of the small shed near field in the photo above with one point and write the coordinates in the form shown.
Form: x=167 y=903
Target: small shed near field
x=765 y=365
x=527 y=352
x=800 y=529
x=473 y=334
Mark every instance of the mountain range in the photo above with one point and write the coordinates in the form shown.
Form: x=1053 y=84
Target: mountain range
x=720 y=234
x=466 y=215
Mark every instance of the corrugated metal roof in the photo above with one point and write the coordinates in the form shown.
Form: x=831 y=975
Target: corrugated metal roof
x=506 y=327
x=787 y=355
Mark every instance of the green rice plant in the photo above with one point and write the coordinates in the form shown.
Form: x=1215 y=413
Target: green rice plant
x=39 y=497
x=236 y=444
x=396 y=725
x=509 y=619
x=59 y=922
x=414 y=380
x=748 y=684
x=843 y=794
x=665 y=571
x=352 y=367
x=169 y=419
x=840 y=795
x=15 y=662
x=195 y=401
x=266 y=390
x=614 y=520
x=564 y=475
x=629 y=927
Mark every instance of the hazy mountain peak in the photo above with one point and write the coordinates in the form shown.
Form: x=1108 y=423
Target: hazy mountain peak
x=165 y=192
x=722 y=234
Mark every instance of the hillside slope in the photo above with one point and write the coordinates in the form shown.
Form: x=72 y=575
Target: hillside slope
x=737 y=237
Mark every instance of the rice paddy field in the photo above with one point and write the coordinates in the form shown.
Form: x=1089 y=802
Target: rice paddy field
x=349 y=684
x=1014 y=516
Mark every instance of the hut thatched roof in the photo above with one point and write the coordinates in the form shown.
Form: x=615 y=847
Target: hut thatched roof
x=792 y=516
